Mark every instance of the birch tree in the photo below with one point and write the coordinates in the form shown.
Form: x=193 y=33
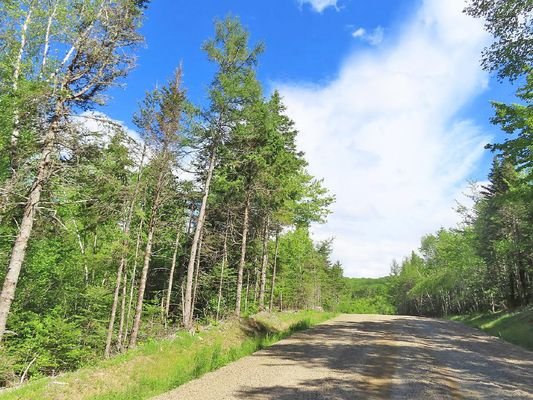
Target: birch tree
x=130 y=207
x=99 y=37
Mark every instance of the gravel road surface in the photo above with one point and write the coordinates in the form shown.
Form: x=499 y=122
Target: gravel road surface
x=374 y=357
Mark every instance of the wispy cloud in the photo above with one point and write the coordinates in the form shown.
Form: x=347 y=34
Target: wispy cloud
x=319 y=5
x=359 y=33
x=374 y=38
x=386 y=136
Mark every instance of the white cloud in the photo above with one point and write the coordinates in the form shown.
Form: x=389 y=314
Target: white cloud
x=96 y=122
x=386 y=136
x=359 y=33
x=96 y=125
x=319 y=5
x=374 y=38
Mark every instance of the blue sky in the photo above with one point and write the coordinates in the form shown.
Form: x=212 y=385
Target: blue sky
x=301 y=44
x=388 y=95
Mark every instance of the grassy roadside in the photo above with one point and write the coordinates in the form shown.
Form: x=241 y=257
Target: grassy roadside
x=515 y=327
x=159 y=366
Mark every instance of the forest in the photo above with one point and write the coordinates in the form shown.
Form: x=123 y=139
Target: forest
x=486 y=262
x=112 y=238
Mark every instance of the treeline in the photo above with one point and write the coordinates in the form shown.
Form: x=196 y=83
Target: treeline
x=487 y=262
x=367 y=296
x=109 y=239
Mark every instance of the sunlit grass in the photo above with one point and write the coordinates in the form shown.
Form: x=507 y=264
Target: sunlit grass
x=158 y=366
x=515 y=327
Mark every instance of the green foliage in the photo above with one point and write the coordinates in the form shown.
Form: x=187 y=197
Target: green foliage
x=484 y=265
x=173 y=362
x=510 y=23
x=54 y=342
x=307 y=277
x=367 y=296
x=517 y=121
x=106 y=194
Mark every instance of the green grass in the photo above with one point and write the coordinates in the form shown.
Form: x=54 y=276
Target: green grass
x=158 y=366
x=515 y=327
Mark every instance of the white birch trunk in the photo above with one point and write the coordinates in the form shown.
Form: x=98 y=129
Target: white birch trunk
x=171 y=275
x=187 y=311
x=123 y=259
x=147 y=257
x=47 y=40
x=132 y=284
x=18 y=252
x=142 y=283
x=16 y=76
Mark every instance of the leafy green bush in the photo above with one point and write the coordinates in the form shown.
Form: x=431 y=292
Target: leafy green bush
x=172 y=361
x=367 y=296
x=54 y=342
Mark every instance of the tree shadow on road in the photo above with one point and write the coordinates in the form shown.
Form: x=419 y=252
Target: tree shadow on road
x=403 y=357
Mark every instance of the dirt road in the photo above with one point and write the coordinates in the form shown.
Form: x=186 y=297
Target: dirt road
x=374 y=357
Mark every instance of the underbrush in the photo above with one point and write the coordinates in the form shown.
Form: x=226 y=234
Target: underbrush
x=158 y=366
x=512 y=326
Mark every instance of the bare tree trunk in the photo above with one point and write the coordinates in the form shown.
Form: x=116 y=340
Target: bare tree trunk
x=196 y=273
x=264 y=264
x=182 y=297
x=257 y=273
x=247 y=291
x=224 y=262
x=132 y=284
x=142 y=283
x=190 y=221
x=147 y=257
x=171 y=275
x=187 y=310
x=123 y=258
x=25 y=373
x=16 y=75
x=274 y=266
x=18 y=252
x=243 y=256
x=82 y=251
x=122 y=309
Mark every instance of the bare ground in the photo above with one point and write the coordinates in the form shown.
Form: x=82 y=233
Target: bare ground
x=374 y=357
